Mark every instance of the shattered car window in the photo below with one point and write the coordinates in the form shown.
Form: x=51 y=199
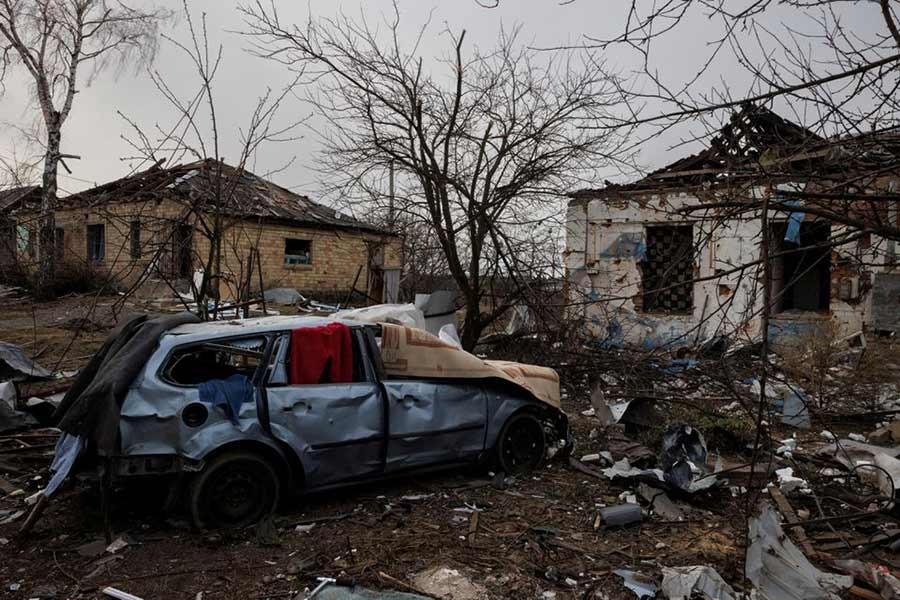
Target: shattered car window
x=216 y=359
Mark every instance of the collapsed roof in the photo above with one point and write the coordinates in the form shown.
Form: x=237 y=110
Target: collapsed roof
x=757 y=141
x=12 y=198
x=209 y=185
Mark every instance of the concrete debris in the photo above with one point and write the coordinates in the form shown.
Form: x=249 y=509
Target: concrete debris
x=448 y=584
x=684 y=583
x=637 y=583
x=787 y=482
x=779 y=570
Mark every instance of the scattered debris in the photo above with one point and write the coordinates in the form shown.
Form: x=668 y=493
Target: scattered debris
x=448 y=584
x=684 y=583
x=621 y=515
x=779 y=570
x=15 y=365
x=637 y=583
x=119 y=594
x=787 y=482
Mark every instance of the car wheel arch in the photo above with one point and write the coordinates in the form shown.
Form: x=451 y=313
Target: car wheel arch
x=280 y=460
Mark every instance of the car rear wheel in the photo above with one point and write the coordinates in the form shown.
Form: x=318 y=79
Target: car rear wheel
x=521 y=445
x=235 y=489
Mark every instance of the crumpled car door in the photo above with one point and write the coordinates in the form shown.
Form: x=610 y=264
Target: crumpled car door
x=337 y=429
x=433 y=422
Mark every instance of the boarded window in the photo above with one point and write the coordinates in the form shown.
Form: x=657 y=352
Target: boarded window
x=297 y=252
x=135 y=237
x=668 y=270
x=96 y=242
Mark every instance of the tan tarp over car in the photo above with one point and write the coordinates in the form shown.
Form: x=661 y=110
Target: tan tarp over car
x=409 y=352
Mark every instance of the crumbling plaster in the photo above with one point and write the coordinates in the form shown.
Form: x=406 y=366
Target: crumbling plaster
x=603 y=255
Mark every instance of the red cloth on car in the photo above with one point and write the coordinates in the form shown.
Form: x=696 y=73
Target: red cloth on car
x=321 y=355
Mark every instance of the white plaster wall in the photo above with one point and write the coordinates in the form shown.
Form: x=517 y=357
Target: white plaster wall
x=603 y=284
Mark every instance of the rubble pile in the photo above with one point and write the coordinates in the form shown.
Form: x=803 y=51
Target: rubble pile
x=671 y=491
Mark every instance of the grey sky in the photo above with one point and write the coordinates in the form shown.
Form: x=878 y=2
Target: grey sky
x=94 y=129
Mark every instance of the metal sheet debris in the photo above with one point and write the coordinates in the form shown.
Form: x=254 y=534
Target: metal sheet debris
x=16 y=365
x=684 y=583
x=779 y=570
x=637 y=583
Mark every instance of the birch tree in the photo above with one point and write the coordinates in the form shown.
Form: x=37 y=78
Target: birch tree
x=58 y=43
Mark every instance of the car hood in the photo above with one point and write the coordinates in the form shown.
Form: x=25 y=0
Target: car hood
x=410 y=352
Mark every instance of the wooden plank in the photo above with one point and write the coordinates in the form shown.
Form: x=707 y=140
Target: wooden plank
x=473 y=527
x=790 y=516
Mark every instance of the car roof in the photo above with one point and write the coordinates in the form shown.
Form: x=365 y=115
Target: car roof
x=232 y=327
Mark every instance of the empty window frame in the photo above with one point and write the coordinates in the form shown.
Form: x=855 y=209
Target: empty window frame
x=215 y=359
x=297 y=251
x=801 y=273
x=134 y=235
x=96 y=242
x=668 y=269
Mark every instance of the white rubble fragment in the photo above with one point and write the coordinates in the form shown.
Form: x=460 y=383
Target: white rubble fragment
x=857 y=437
x=448 y=584
x=787 y=482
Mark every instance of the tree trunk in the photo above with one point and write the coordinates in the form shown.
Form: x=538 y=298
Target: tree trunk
x=46 y=247
x=472 y=323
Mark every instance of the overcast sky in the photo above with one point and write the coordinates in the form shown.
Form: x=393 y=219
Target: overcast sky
x=94 y=130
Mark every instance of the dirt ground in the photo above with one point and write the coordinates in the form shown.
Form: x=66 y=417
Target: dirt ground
x=532 y=537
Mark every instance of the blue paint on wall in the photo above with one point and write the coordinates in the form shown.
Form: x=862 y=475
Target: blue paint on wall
x=626 y=245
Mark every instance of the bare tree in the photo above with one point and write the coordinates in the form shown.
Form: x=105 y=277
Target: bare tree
x=480 y=150
x=54 y=41
x=215 y=208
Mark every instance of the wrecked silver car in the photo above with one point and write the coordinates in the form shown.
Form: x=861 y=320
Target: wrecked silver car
x=246 y=412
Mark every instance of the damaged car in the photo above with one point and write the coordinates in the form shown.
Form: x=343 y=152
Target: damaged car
x=238 y=415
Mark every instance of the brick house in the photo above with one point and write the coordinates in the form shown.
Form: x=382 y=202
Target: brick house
x=154 y=229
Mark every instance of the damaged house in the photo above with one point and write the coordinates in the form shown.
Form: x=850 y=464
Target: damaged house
x=155 y=229
x=674 y=258
x=13 y=242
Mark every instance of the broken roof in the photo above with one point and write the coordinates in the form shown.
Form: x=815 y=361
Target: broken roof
x=754 y=135
x=208 y=183
x=11 y=198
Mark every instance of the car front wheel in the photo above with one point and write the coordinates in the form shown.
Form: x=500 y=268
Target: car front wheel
x=522 y=444
x=235 y=489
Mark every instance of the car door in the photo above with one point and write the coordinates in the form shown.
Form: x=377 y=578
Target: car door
x=337 y=429
x=433 y=422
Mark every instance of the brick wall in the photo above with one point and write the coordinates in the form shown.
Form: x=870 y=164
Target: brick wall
x=336 y=255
